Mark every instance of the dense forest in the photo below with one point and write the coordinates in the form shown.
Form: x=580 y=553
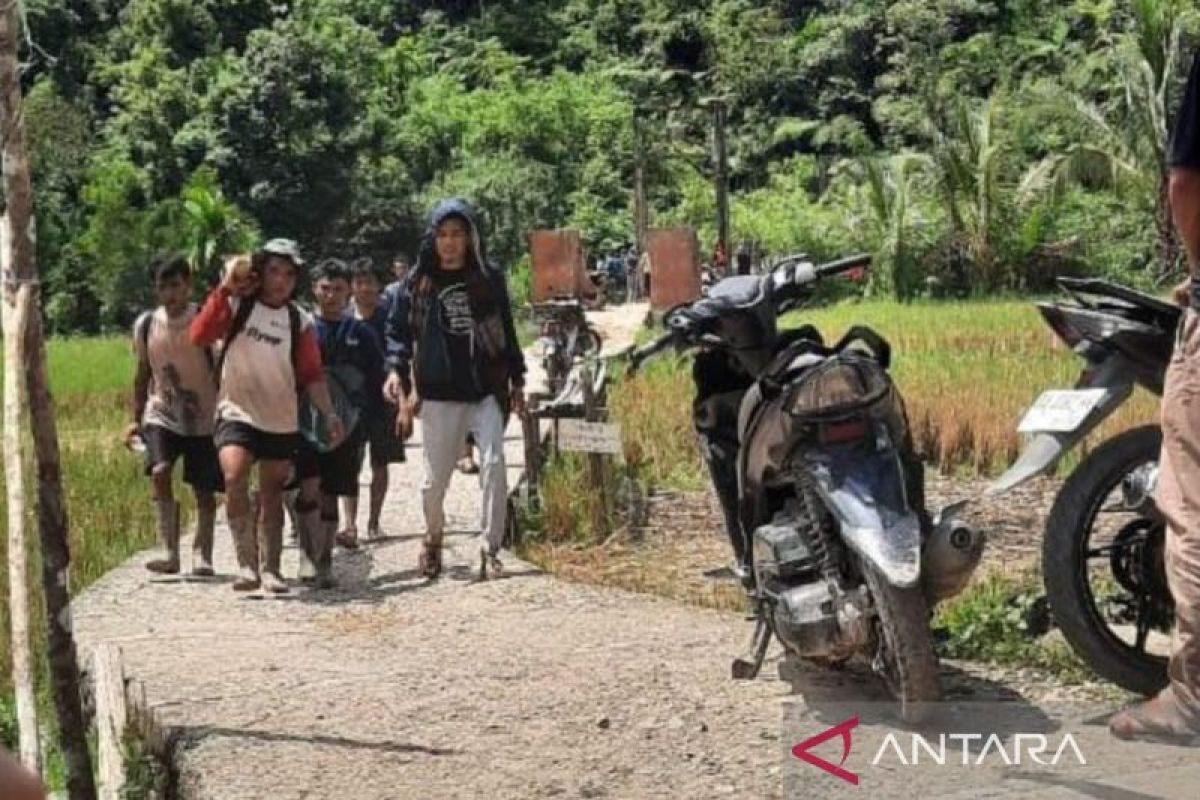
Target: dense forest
x=974 y=146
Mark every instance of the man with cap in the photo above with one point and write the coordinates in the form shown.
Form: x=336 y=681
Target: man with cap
x=269 y=354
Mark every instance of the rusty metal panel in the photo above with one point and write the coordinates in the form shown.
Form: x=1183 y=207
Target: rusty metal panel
x=674 y=267
x=559 y=265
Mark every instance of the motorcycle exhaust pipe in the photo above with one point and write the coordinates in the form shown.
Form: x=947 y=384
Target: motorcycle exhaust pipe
x=949 y=558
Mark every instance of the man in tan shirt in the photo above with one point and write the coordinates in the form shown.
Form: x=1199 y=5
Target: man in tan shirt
x=174 y=399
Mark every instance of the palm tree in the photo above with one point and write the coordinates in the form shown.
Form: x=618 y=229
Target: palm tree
x=212 y=223
x=1128 y=142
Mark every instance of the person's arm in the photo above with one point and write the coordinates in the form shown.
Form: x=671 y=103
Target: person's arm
x=1185 y=208
x=141 y=380
x=1184 y=185
x=214 y=319
x=398 y=347
x=310 y=378
x=514 y=355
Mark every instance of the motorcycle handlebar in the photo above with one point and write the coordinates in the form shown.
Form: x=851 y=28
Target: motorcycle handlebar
x=642 y=354
x=796 y=280
x=847 y=264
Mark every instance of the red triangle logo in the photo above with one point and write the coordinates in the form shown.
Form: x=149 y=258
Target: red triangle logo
x=801 y=751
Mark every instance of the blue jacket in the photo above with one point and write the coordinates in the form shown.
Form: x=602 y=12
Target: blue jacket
x=499 y=357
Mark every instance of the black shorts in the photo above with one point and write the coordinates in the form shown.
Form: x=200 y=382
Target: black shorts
x=1185 y=140
x=201 y=468
x=337 y=469
x=263 y=445
x=382 y=441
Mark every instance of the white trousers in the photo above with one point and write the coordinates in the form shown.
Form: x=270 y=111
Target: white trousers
x=444 y=429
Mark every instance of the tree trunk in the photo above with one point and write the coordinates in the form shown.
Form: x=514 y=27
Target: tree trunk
x=16 y=319
x=51 y=508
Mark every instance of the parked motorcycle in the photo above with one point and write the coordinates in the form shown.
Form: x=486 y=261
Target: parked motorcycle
x=565 y=336
x=808 y=449
x=1103 y=550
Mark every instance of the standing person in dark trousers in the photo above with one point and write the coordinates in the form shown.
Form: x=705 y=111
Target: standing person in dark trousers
x=383 y=445
x=352 y=360
x=174 y=401
x=270 y=355
x=455 y=360
x=1175 y=712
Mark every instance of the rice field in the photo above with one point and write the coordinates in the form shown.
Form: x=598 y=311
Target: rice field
x=107 y=496
x=968 y=371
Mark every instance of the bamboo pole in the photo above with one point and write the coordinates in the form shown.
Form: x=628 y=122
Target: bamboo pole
x=16 y=320
x=51 y=505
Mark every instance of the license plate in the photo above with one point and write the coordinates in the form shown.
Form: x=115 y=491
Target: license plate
x=1060 y=411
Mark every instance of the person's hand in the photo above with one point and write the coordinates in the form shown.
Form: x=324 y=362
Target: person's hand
x=337 y=431
x=518 y=401
x=131 y=430
x=404 y=419
x=392 y=388
x=1182 y=294
x=239 y=277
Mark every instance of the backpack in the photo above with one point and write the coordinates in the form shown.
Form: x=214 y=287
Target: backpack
x=143 y=333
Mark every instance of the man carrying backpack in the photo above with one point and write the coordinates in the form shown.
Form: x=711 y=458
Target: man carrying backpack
x=174 y=399
x=270 y=354
x=352 y=359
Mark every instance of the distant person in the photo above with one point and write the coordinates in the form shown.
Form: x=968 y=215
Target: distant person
x=352 y=360
x=632 y=282
x=270 y=355
x=174 y=401
x=400 y=269
x=383 y=446
x=455 y=360
x=1175 y=711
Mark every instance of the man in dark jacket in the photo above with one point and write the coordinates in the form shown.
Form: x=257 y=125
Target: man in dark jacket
x=454 y=359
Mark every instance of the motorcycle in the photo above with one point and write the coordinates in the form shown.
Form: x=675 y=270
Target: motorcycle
x=1103 y=551
x=808 y=451
x=565 y=336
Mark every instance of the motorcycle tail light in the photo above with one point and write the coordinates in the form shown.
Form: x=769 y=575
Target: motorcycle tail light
x=845 y=431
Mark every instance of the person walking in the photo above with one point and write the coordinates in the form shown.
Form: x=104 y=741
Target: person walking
x=454 y=359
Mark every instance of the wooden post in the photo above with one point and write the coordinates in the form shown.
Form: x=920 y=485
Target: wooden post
x=16 y=320
x=51 y=507
x=596 y=472
x=721 y=158
x=112 y=717
x=641 y=216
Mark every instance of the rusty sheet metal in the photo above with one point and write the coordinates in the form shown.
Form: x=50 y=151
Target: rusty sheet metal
x=559 y=265
x=674 y=267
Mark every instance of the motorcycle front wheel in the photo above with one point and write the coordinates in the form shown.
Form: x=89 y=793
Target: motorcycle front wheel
x=904 y=655
x=1103 y=564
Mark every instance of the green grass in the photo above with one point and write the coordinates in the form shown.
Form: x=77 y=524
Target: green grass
x=108 y=506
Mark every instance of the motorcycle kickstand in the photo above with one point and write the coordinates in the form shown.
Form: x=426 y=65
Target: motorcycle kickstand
x=747 y=669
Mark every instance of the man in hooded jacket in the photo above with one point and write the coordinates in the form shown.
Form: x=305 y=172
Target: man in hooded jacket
x=454 y=359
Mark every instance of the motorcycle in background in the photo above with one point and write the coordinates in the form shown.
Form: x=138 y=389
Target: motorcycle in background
x=1103 y=553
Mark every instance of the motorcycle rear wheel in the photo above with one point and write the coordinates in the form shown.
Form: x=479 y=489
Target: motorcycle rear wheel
x=1065 y=563
x=905 y=657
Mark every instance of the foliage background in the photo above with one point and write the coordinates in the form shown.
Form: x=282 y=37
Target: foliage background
x=974 y=146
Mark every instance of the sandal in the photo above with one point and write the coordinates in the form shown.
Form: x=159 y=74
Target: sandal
x=430 y=564
x=489 y=561
x=1156 y=720
x=467 y=466
x=347 y=540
